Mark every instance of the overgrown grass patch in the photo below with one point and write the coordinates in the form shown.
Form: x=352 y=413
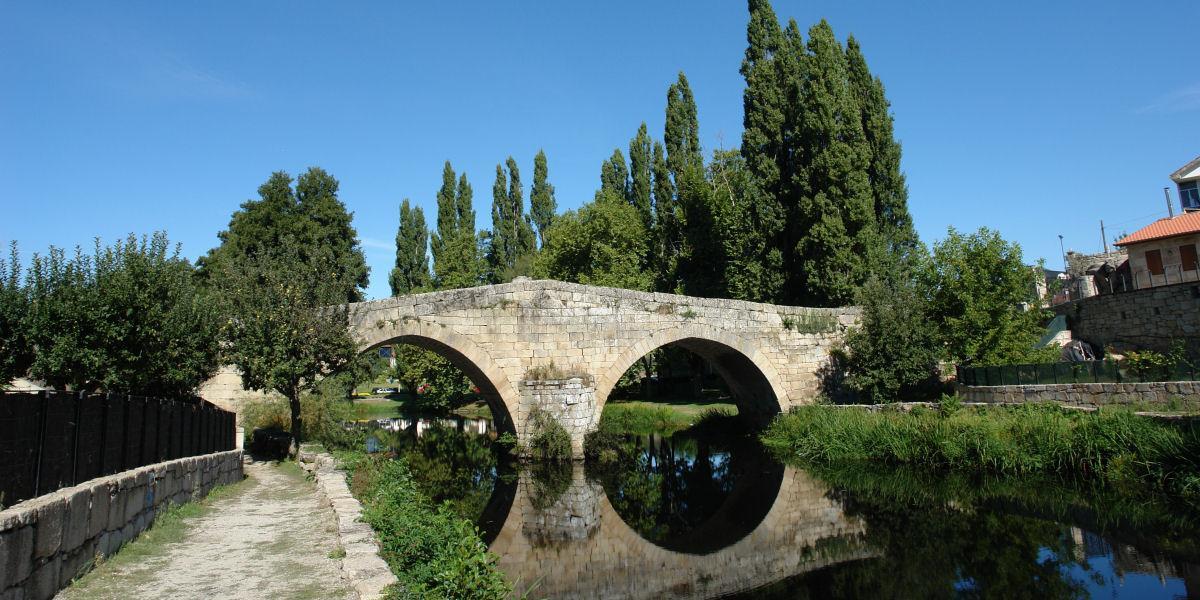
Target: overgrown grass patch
x=434 y=552
x=1113 y=446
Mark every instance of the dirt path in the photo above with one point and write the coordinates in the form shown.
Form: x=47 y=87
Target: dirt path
x=266 y=537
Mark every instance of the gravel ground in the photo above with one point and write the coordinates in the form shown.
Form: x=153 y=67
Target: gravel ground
x=267 y=538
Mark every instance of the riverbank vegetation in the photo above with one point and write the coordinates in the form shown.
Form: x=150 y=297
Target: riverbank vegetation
x=1112 y=447
x=435 y=552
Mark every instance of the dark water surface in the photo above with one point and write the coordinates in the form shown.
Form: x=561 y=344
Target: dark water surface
x=708 y=513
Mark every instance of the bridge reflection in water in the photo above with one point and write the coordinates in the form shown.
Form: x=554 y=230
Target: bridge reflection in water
x=775 y=523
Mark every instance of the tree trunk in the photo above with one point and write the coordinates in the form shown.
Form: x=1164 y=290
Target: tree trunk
x=297 y=425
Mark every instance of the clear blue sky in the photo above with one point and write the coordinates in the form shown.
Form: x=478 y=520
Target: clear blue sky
x=1035 y=118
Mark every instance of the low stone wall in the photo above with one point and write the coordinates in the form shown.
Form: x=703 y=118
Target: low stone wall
x=572 y=402
x=367 y=573
x=1082 y=394
x=47 y=541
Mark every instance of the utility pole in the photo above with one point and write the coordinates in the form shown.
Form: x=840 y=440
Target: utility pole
x=1103 y=238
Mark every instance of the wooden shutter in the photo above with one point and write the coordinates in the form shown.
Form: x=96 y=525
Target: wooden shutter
x=1187 y=254
x=1154 y=262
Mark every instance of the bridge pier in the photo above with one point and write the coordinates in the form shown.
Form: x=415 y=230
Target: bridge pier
x=571 y=402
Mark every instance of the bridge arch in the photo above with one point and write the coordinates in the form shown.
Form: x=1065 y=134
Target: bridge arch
x=464 y=354
x=752 y=378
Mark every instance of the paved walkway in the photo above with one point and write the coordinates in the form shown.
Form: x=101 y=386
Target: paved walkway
x=267 y=537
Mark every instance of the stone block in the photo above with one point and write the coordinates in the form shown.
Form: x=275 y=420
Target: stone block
x=78 y=511
x=44 y=581
x=135 y=501
x=48 y=534
x=16 y=555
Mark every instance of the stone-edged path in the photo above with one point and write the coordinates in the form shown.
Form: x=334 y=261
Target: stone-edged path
x=271 y=538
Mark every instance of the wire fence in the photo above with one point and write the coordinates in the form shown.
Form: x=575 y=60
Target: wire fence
x=51 y=440
x=1095 y=371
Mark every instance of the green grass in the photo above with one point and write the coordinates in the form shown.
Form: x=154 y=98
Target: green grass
x=1111 y=446
x=395 y=405
x=638 y=416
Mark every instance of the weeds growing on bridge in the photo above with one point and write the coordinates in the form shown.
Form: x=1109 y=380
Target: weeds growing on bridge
x=1111 y=446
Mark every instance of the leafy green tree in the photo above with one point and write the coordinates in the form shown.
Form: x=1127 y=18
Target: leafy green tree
x=541 y=197
x=894 y=353
x=447 y=221
x=411 y=272
x=435 y=383
x=602 y=243
x=888 y=187
x=129 y=318
x=836 y=208
x=286 y=329
x=311 y=215
x=746 y=218
x=978 y=284
x=641 y=174
x=16 y=353
x=614 y=176
x=666 y=225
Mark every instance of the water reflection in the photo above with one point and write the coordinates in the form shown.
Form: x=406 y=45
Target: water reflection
x=701 y=515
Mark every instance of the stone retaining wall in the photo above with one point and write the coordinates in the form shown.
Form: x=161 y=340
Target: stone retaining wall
x=571 y=401
x=1082 y=394
x=1152 y=318
x=367 y=573
x=47 y=541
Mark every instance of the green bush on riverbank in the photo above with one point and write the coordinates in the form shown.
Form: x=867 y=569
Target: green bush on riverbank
x=1113 y=446
x=434 y=552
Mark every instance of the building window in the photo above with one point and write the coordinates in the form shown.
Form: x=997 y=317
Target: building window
x=1154 y=262
x=1187 y=257
x=1189 y=195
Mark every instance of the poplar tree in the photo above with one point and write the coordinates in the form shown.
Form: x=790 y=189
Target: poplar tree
x=614 y=177
x=666 y=224
x=511 y=241
x=455 y=254
x=641 y=171
x=888 y=187
x=447 y=216
x=411 y=272
x=541 y=197
x=836 y=207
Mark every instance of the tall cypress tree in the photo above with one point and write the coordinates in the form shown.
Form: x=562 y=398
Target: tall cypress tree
x=411 y=272
x=541 y=197
x=641 y=173
x=525 y=240
x=888 y=186
x=836 y=207
x=682 y=131
x=500 y=237
x=511 y=242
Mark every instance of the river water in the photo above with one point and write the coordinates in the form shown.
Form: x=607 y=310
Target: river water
x=707 y=513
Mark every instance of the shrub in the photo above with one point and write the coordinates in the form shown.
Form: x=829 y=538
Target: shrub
x=433 y=552
x=548 y=440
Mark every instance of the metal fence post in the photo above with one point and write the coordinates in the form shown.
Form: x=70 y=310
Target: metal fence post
x=41 y=444
x=75 y=440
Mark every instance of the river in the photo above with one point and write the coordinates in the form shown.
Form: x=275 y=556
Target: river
x=707 y=513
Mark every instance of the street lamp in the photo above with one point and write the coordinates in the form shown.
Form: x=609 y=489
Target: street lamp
x=1064 y=252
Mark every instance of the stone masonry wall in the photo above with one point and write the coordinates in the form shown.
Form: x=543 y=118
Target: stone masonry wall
x=47 y=541
x=1143 y=319
x=1082 y=394
x=572 y=402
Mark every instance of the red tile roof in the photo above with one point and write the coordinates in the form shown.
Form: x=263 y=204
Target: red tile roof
x=1164 y=228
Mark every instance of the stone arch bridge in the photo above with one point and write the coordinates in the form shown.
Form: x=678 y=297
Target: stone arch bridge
x=506 y=337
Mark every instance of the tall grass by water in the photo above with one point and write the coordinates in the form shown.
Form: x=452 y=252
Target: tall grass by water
x=1114 y=446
